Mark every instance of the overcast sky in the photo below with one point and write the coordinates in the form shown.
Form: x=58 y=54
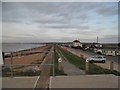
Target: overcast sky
x=50 y=22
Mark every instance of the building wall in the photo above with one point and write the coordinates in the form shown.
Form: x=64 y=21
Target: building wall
x=77 y=44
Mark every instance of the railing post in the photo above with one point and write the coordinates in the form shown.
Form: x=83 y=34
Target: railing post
x=3 y=55
x=53 y=61
x=87 y=67
x=11 y=60
x=111 y=65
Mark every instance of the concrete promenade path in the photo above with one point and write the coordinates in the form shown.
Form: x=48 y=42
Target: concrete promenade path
x=69 y=68
x=43 y=81
x=85 y=82
x=19 y=82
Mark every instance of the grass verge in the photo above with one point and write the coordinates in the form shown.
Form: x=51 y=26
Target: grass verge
x=57 y=71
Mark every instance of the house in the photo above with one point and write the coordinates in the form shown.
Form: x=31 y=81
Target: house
x=109 y=52
x=76 y=44
x=108 y=49
x=111 y=49
x=91 y=46
x=118 y=52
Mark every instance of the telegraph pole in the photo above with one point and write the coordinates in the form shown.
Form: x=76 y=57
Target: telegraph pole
x=97 y=39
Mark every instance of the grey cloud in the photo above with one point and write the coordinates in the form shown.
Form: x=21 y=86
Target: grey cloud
x=25 y=35
x=109 y=38
x=11 y=20
x=54 y=21
x=67 y=26
x=0 y=11
x=25 y=10
x=108 y=10
x=66 y=10
x=92 y=5
x=84 y=17
x=102 y=8
x=65 y=18
x=65 y=38
x=18 y=36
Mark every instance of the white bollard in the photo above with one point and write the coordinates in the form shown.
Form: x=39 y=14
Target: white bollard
x=59 y=64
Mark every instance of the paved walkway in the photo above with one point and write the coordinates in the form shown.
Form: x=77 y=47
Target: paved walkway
x=69 y=68
x=43 y=81
x=82 y=82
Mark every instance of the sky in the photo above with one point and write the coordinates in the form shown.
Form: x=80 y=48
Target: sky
x=59 y=21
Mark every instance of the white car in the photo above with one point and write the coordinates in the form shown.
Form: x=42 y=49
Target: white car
x=96 y=59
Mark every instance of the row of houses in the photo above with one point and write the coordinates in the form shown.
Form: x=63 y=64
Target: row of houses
x=105 y=49
x=107 y=52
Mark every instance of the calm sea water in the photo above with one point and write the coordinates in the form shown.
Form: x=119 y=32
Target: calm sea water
x=10 y=47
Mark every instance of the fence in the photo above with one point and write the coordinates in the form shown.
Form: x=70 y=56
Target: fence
x=11 y=69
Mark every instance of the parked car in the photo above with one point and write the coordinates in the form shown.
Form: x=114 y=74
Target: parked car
x=96 y=59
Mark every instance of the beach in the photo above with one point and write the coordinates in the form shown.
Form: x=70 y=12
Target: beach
x=26 y=62
x=30 y=56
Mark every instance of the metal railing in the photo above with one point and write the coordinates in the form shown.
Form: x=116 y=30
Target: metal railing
x=12 y=68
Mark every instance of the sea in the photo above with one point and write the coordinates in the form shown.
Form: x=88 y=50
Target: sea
x=12 y=47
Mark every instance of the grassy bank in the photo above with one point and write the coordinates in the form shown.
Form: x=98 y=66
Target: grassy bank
x=57 y=71
x=80 y=63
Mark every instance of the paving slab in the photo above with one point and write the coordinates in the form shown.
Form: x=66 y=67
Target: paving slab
x=71 y=69
x=19 y=82
x=84 y=81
